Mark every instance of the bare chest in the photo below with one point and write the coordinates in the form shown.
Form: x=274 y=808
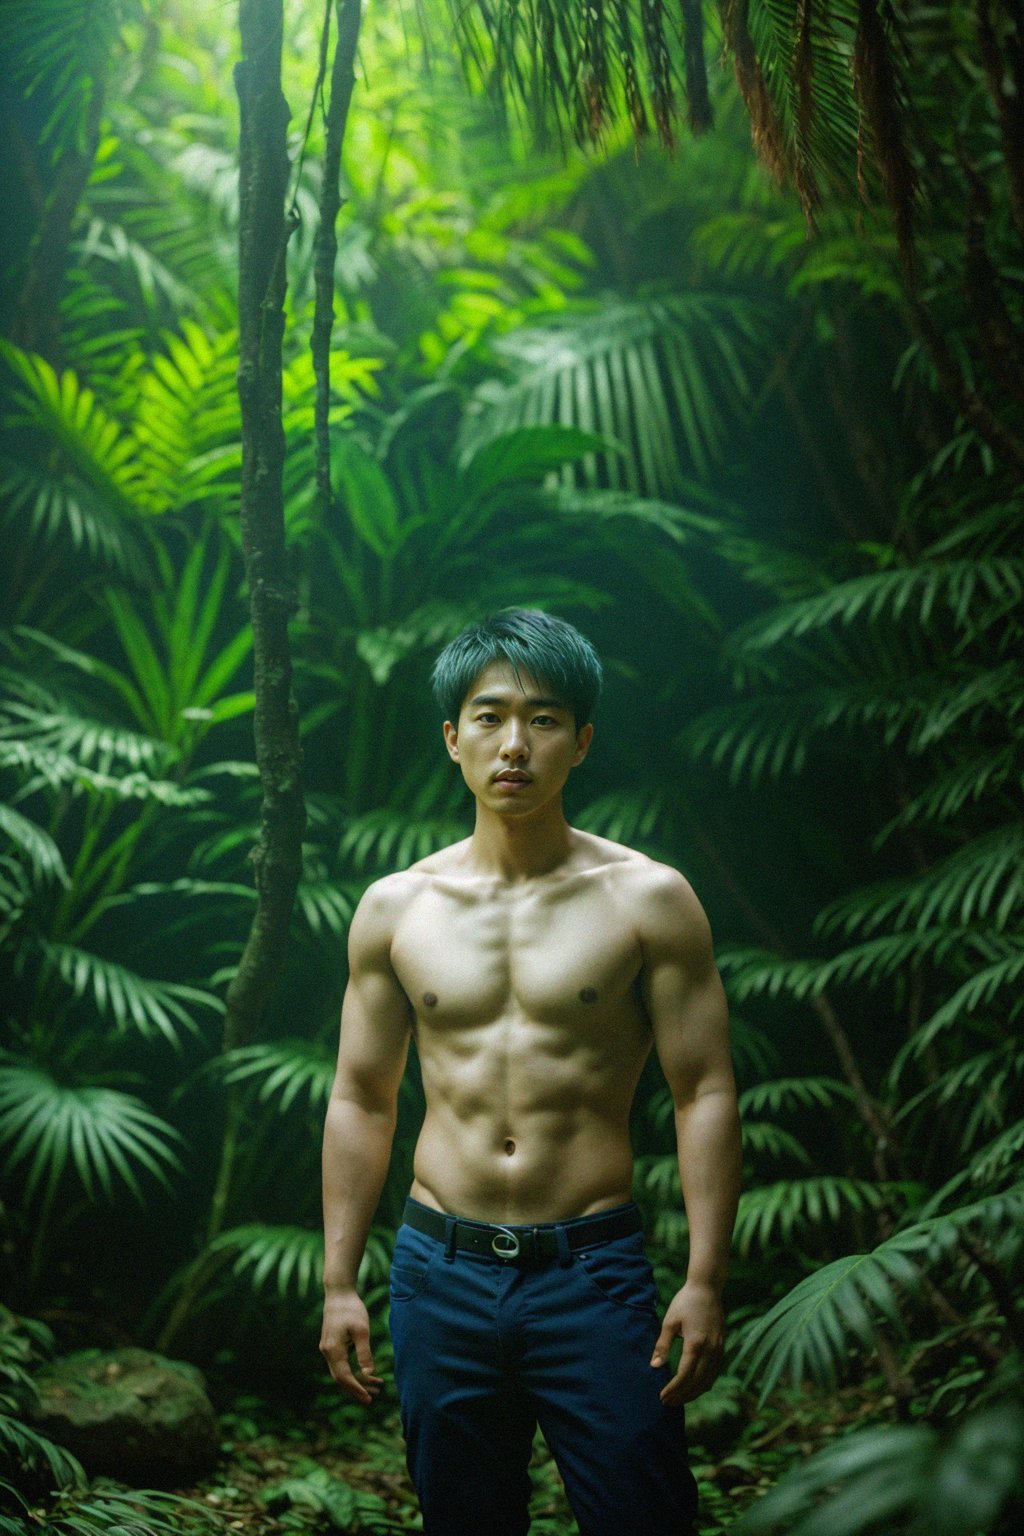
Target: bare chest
x=564 y=960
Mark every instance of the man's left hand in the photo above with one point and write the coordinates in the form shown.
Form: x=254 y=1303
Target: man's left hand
x=696 y=1315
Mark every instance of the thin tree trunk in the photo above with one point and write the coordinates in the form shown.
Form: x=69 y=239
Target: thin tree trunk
x=264 y=230
x=263 y=241
x=342 y=82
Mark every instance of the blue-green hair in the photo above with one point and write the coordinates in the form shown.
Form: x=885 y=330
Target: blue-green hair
x=531 y=641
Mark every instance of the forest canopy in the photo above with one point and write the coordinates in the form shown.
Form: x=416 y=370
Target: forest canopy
x=698 y=325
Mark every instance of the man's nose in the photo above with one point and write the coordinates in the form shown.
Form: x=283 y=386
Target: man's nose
x=515 y=743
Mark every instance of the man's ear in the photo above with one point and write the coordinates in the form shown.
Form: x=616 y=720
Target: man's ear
x=451 y=740
x=583 y=739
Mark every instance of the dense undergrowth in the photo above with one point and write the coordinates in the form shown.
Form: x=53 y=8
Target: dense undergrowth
x=629 y=389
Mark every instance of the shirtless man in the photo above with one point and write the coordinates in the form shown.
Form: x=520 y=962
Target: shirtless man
x=535 y=965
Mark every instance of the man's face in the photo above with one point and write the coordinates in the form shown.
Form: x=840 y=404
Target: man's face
x=514 y=741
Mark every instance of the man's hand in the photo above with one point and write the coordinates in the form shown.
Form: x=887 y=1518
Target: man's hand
x=346 y=1327
x=697 y=1316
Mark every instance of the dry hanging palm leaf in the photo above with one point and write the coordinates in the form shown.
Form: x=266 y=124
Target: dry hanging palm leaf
x=764 y=122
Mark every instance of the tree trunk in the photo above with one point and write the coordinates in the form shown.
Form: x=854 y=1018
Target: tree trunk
x=264 y=230
x=262 y=246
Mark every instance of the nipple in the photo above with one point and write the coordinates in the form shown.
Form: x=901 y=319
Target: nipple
x=430 y=999
x=588 y=995
x=510 y=1146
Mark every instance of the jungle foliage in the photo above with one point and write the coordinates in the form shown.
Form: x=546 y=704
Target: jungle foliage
x=777 y=479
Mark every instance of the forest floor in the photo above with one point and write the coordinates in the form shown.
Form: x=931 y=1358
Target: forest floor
x=336 y=1468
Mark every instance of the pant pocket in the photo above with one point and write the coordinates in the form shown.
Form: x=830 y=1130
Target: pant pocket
x=622 y=1272
x=411 y=1262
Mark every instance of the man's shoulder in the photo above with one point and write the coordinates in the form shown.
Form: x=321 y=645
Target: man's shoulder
x=385 y=899
x=661 y=899
x=645 y=876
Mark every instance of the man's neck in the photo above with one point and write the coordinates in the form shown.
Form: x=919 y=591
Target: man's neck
x=520 y=848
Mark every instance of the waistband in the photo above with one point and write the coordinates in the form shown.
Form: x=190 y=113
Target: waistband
x=523 y=1243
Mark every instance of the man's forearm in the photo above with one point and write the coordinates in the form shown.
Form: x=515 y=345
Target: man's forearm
x=356 y=1153
x=710 y=1159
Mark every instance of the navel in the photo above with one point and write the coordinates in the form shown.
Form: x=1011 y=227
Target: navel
x=588 y=994
x=430 y=999
x=510 y=1146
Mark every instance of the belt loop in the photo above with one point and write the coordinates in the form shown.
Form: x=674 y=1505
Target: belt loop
x=564 y=1251
x=449 y=1239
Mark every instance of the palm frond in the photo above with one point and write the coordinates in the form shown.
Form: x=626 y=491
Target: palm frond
x=974 y=994
x=785 y=1211
x=759 y=972
x=647 y=375
x=35 y=843
x=105 y=1135
x=63 y=49
x=23 y=1446
x=50 y=507
x=901 y=1477
x=763 y=1139
x=92 y=445
x=771 y=734
x=947 y=793
x=787 y=1093
x=133 y=1003
x=286 y=1069
x=811 y=1330
x=912 y=592
x=53 y=724
x=284 y=1256
x=327 y=905
x=629 y=816
x=387 y=838
x=982 y=880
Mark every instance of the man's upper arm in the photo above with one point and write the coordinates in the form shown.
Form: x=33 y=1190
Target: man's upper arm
x=682 y=990
x=376 y=1017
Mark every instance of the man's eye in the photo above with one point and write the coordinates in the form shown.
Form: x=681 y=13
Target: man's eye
x=487 y=718
x=545 y=719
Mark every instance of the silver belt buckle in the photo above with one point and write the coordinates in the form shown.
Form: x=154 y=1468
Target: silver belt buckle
x=505 y=1244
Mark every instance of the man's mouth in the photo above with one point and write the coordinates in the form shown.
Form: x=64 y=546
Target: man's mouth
x=513 y=776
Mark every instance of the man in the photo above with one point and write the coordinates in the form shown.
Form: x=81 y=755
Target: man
x=536 y=965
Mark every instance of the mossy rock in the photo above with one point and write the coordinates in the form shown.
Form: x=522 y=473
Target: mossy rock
x=129 y=1414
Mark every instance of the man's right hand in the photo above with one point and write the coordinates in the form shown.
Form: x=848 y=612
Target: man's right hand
x=346 y=1327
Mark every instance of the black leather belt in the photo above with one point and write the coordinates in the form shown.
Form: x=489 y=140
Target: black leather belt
x=524 y=1244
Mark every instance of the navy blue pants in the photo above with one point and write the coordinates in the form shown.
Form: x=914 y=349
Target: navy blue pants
x=485 y=1350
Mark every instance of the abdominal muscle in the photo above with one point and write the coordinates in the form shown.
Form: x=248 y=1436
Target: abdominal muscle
x=524 y=1136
